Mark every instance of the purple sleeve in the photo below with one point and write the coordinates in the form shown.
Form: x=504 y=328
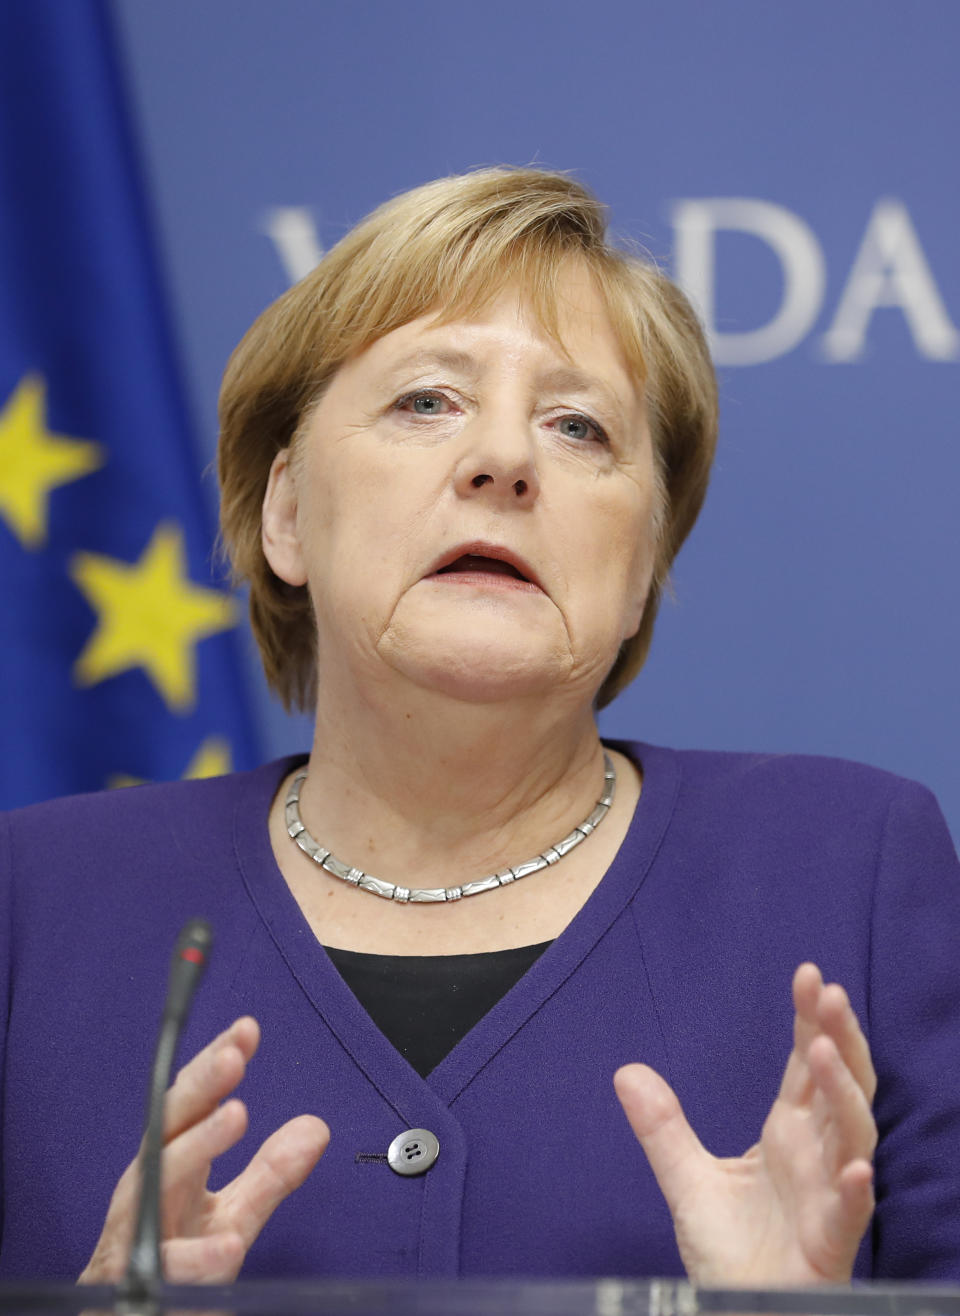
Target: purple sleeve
x=914 y=1027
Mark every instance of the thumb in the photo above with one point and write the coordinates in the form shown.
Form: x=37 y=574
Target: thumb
x=676 y=1155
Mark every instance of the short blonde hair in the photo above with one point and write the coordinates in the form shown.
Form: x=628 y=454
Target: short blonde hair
x=449 y=247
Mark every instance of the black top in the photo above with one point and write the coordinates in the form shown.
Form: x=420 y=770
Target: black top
x=424 y=1004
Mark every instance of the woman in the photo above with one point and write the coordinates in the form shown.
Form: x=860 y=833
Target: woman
x=457 y=461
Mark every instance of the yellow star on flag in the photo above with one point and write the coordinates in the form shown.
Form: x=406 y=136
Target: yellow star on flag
x=212 y=759
x=34 y=461
x=150 y=615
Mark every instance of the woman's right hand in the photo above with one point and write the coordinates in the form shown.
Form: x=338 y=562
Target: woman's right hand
x=207 y=1235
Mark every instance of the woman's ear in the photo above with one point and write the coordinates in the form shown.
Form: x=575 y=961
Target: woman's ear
x=279 y=534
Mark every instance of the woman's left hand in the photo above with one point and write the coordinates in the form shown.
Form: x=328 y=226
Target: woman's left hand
x=793 y=1209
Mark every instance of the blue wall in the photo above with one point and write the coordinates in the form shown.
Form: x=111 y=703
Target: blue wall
x=817 y=603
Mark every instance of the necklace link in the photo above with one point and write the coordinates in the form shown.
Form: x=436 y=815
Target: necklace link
x=322 y=857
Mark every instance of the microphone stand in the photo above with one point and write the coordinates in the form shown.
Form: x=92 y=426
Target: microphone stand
x=140 y=1288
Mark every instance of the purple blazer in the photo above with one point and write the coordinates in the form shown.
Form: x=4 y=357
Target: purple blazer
x=736 y=867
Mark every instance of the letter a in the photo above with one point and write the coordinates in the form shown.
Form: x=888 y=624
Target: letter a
x=891 y=270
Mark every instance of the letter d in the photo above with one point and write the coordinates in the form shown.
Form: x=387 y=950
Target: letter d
x=696 y=221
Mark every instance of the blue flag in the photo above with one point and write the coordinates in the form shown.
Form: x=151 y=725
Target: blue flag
x=119 y=655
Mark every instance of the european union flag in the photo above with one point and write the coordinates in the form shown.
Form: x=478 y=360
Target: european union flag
x=118 y=654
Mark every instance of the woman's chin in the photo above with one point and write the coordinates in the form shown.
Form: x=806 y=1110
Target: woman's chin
x=481 y=669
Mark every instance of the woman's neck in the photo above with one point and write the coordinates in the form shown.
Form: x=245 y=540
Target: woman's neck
x=430 y=783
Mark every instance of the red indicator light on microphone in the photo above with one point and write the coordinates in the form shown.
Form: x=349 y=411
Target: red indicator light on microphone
x=193 y=955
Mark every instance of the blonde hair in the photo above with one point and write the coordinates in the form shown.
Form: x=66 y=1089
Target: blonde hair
x=449 y=247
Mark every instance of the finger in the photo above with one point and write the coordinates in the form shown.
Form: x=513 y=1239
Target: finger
x=190 y=1161
x=185 y=1168
x=856 y=1191
x=674 y=1151
x=187 y=1160
x=280 y=1166
x=202 y=1083
x=210 y=1076
x=111 y=1256
x=215 y=1259
x=806 y=988
x=853 y=1133
x=117 y=1229
x=838 y=1021
x=795 y=1087
x=847 y=1219
x=826 y=1008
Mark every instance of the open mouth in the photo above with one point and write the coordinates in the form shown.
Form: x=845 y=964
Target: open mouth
x=490 y=569
x=472 y=564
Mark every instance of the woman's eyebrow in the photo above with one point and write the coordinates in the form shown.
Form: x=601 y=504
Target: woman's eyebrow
x=571 y=379
x=432 y=358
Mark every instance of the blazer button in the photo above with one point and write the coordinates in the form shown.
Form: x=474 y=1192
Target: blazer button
x=413 y=1152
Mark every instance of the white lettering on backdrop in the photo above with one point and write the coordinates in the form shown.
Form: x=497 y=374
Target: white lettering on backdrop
x=796 y=247
x=889 y=270
x=293 y=232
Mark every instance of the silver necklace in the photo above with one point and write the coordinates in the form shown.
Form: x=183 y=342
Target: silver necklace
x=429 y=895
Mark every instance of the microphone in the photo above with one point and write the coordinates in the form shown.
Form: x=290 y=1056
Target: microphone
x=144 y=1278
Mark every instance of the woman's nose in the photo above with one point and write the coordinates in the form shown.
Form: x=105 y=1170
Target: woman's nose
x=498 y=462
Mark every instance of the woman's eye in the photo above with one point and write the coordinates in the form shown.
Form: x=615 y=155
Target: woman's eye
x=424 y=404
x=581 y=429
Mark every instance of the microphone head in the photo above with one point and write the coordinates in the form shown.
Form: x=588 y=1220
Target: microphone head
x=193 y=943
x=187 y=966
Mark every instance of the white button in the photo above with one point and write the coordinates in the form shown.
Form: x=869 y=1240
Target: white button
x=413 y=1152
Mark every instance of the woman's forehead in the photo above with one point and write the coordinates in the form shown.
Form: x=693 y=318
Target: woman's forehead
x=580 y=346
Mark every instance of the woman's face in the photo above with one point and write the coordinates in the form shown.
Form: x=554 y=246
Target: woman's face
x=471 y=509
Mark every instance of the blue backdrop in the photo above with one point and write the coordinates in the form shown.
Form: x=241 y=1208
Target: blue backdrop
x=794 y=164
